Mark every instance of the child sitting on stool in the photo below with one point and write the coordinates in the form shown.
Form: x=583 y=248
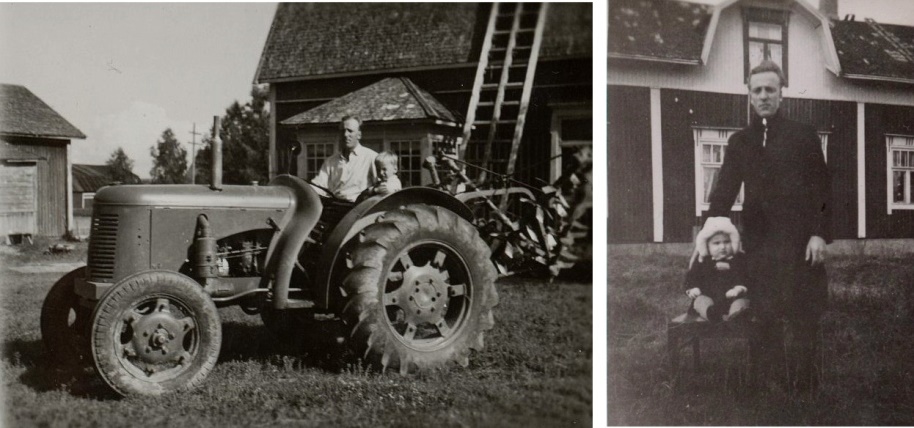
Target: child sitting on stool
x=388 y=182
x=715 y=281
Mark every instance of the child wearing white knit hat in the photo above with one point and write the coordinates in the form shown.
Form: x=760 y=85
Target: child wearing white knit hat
x=715 y=281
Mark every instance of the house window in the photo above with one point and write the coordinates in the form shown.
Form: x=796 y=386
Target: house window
x=572 y=129
x=410 y=157
x=87 y=200
x=315 y=154
x=710 y=150
x=899 y=168
x=765 y=37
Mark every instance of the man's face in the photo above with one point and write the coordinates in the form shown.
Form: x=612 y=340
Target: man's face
x=350 y=134
x=719 y=246
x=765 y=93
x=386 y=170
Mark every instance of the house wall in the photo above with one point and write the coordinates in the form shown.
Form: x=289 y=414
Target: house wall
x=808 y=77
x=557 y=83
x=629 y=155
x=52 y=182
x=884 y=119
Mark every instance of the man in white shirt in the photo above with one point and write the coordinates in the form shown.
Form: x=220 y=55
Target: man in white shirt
x=349 y=172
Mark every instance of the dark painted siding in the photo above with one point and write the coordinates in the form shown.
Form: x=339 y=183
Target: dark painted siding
x=840 y=119
x=629 y=152
x=555 y=83
x=680 y=112
x=881 y=120
x=52 y=182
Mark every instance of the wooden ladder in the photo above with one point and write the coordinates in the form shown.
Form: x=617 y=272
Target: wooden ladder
x=501 y=91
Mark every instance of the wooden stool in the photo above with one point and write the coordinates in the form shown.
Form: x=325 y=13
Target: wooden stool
x=689 y=329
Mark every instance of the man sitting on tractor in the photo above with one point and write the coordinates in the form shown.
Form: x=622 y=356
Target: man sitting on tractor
x=345 y=175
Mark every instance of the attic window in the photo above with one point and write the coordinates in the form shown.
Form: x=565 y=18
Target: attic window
x=765 y=37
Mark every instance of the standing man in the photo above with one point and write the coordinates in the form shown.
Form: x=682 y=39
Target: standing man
x=349 y=172
x=786 y=225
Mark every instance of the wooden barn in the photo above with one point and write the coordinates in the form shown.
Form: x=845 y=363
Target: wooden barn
x=408 y=69
x=35 y=184
x=87 y=180
x=677 y=90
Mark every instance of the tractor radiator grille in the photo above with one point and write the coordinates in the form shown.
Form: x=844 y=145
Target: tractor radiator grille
x=103 y=247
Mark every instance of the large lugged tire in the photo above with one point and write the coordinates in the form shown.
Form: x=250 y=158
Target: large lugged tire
x=65 y=323
x=421 y=290
x=154 y=333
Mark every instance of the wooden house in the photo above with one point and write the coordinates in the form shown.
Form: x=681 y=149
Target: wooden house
x=35 y=184
x=677 y=90
x=408 y=70
x=87 y=180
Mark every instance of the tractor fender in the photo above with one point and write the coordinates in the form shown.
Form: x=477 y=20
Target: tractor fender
x=363 y=215
x=293 y=230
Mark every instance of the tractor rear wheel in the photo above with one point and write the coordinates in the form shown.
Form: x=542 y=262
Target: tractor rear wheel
x=154 y=333
x=421 y=290
x=65 y=323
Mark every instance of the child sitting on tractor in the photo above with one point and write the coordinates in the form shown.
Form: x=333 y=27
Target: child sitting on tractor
x=715 y=280
x=388 y=182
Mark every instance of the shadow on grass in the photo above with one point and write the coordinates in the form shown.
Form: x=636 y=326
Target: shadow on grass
x=43 y=375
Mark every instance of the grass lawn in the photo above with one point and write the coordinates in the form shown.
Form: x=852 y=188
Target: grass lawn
x=867 y=374
x=535 y=371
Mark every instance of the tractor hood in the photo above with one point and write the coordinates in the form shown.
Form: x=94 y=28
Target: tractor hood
x=200 y=196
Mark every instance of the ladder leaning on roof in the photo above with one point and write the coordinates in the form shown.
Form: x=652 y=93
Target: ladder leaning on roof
x=501 y=90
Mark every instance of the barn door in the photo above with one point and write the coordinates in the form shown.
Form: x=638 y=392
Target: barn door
x=18 y=198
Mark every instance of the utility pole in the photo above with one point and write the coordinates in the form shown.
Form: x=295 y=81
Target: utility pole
x=193 y=154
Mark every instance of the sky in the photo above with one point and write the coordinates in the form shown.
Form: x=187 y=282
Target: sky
x=123 y=73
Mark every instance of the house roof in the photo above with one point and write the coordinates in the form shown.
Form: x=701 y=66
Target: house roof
x=869 y=50
x=24 y=114
x=312 y=39
x=668 y=31
x=90 y=178
x=393 y=98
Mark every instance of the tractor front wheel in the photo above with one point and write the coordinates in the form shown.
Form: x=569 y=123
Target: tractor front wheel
x=421 y=290
x=154 y=333
x=65 y=323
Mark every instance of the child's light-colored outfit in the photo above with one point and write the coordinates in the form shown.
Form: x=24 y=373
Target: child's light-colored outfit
x=393 y=184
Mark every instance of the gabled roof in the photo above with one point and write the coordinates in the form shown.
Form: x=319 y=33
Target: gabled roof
x=873 y=51
x=394 y=98
x=667 y=31
x=90 y=178
x=317 y=39
x=24 y=114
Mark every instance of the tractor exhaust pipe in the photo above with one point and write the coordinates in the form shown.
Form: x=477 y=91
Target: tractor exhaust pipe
x=216 y=165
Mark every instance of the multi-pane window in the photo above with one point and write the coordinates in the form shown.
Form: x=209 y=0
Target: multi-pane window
x=315 y=153
x=410 y=156
x=900 y=167
x=710 y=150
x=765 y=37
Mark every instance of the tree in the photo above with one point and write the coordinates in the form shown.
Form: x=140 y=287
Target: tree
x=169 y=160
x=245 y=133
x=120 y=167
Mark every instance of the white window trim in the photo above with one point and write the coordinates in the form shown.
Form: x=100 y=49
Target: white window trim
x=890 y=146
x=573 y=111
x=88 y=196
x=707 y=135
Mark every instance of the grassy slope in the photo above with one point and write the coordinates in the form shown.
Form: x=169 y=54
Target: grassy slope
x=535 y=370
x=868 y=344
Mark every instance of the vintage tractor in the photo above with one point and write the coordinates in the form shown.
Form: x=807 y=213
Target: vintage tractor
x=408 y=277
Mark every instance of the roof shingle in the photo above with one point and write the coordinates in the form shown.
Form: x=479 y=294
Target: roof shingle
x=23 y=113
x=308 y=39
x=90 y=178
x=875 y=50
x=665 y=30
x=386 y=100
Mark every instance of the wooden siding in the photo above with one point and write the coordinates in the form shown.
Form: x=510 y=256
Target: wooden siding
x=880 y=120
x=556 y=83
x=808 y=78
x=51 y=157
x=681 y=111
x=629 y=157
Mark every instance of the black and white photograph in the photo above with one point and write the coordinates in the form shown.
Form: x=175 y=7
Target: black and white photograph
x=318 y=214
x=760 y=224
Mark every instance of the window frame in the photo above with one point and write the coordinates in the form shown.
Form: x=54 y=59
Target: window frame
x=561 y=113
x=705 y=135
x=892 y=144
x=766 y=16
